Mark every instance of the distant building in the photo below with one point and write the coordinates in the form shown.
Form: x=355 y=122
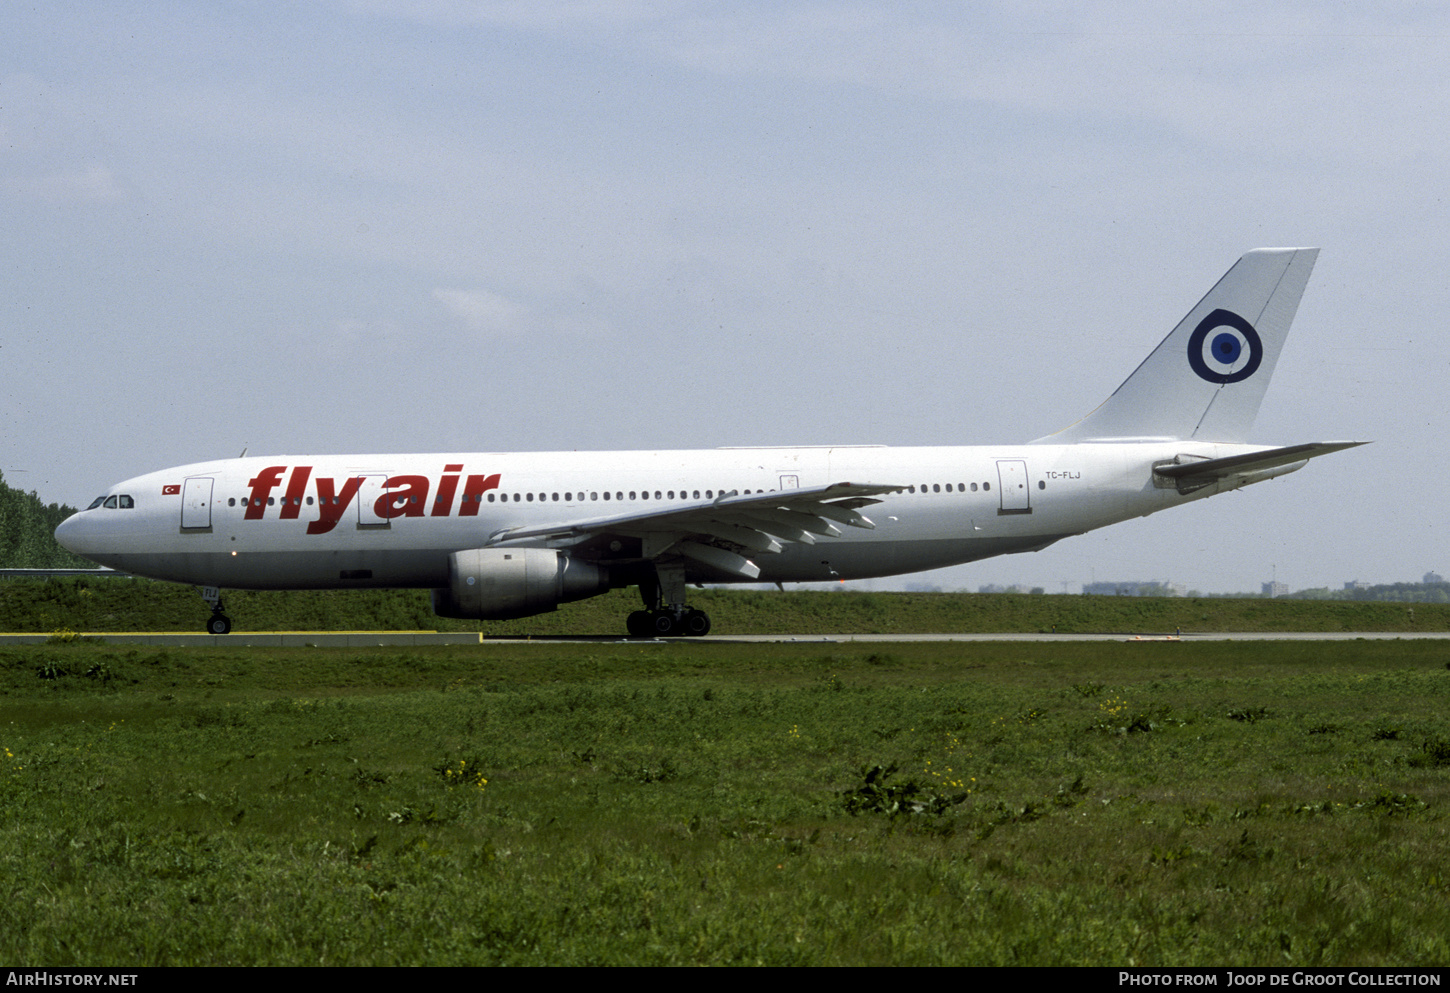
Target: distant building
x=1356 y=585
x=1147 y=587
x=1433 y=577
x=1276 y=588
x=995 y=588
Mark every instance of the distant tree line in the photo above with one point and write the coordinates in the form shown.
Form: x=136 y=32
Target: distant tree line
x=27 y=532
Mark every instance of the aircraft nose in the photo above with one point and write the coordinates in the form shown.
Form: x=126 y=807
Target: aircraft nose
x=65 y=533
x=75 y=535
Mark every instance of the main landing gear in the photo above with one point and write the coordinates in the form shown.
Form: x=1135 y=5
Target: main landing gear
x=665 y=623
x=218 y=622
x=666 y=615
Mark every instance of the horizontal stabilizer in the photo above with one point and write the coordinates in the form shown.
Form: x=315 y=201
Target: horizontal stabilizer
x=1201 y=471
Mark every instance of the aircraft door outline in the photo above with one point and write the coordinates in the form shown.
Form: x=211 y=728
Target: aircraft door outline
x=1016 y=497
x=374 y=487
x=196 y=503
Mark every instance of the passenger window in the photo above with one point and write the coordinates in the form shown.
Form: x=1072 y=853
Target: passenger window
x=974 y=487
x=936 y=487
x=986 y=486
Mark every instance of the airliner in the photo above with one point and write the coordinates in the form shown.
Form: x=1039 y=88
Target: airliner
x=501 y=535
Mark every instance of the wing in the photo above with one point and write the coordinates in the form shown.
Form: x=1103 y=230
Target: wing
x=726 y=532
x=1195 y=473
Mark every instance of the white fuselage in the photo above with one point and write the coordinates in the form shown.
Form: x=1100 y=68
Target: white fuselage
x=297 y=522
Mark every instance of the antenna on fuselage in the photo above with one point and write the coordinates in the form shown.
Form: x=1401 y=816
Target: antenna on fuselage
x=244 y=452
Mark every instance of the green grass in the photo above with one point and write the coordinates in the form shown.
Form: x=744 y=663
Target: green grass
x=143 y=605
x=1148 y=804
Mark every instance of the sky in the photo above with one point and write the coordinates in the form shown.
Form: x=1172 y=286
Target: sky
x=448 y=225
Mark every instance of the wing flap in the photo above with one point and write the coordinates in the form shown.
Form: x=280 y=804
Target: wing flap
x=726 y=561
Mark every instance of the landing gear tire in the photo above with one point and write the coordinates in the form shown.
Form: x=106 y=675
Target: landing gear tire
x=696 y=623
x=666 y=623
x=219 y=624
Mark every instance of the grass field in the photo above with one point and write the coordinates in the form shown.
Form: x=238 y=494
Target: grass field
x=709 y=803
x=143 y=605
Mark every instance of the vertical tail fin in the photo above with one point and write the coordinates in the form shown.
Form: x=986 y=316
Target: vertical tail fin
x=1207 y=378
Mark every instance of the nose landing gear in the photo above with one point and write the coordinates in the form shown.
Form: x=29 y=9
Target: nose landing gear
x=218 y=623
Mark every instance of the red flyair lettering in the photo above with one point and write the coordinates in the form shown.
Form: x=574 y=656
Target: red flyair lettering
x=473 y=493
x=331 y=505
x=405 y=496
x=262 y=485
x=296 y=486
x=447 y=486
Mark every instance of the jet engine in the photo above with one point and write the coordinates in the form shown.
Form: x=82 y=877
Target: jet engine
x=498 y=584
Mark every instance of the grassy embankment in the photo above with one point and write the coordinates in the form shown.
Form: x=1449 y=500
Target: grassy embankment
x=1269 y=804
x=142 y=605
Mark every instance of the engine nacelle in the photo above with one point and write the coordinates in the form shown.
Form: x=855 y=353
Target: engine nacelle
x=498 y=584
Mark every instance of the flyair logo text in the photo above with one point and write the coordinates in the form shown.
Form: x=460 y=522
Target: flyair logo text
x=376 y=499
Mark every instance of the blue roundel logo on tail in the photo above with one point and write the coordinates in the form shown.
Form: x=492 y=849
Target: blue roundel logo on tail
x=1225 y=348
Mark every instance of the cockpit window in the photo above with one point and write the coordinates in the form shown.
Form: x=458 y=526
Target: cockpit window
x=110 y=503
x=126 y=502
x=97 y=502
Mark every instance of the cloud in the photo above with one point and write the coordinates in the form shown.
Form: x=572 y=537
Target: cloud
x=484 y=311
